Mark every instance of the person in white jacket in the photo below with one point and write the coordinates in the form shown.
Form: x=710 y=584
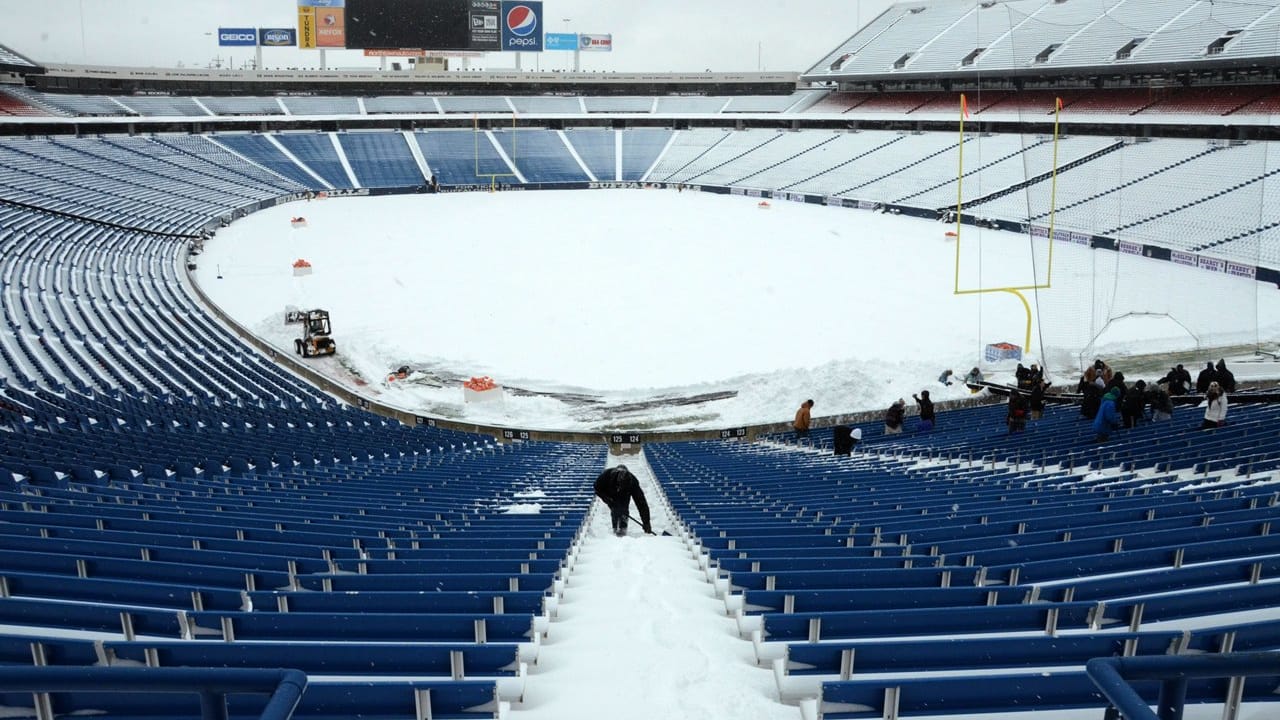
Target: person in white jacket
x=1215 y=407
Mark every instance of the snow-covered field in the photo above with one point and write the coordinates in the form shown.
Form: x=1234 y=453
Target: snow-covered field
x=609 y=298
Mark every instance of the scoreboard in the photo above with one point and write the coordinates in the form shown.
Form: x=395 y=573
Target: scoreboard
x=476 y=25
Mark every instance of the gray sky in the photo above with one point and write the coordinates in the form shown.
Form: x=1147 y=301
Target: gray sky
x=653 y=35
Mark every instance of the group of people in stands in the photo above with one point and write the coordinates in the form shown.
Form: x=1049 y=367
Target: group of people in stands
x=1026 y=400
x=1110 y=403
x=1106 y=399
x=896 y=416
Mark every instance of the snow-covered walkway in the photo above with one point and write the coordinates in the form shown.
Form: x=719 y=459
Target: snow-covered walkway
x=641 y=635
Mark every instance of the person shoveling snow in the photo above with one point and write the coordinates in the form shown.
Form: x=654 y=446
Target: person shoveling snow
x=617 y=487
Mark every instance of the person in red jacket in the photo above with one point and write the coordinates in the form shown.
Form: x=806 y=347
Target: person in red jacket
x=617 y=487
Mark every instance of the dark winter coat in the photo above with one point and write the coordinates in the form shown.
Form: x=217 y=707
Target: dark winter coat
x=1177 y=384
x=1226 y=378
x=894 y=415
x=1016 y=415
x=1036 y=400
x=1091 y=400
x=1024 y=376
x=1206 y=377
x=926 y=409
x=1135 y=402
x=1185 y=374
x=617 y=487
x=1117 y=384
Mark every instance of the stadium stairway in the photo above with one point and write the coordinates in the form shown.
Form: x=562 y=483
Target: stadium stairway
x=878 y=178
x=972 y=172
x=975 y=202
x=1193 y=203
x=731 y=160
x=1122 y=186
x=850 y=161
x=739 y=181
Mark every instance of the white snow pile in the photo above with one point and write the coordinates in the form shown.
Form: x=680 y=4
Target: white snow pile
x=521 y=509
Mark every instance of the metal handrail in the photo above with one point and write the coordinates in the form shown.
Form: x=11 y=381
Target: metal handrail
x=1113 y=675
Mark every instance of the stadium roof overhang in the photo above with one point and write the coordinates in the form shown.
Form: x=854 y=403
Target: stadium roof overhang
x=971 y=75
x=12 y=62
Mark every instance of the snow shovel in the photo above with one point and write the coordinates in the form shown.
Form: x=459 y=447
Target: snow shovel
x=664 y=532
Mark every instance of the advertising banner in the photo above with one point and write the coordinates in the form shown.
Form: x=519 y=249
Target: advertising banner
x=1130 y=248
x=560 y=41
x=486 y=20
x=237 y=37
x=394 y=52
x=1212 y=264
x=1244 y=271
x=331 y=27
x=595 y=43
x=1183 y=258
x=521 y=22
x=307 y=27
x=322 y=3
x=277 y=37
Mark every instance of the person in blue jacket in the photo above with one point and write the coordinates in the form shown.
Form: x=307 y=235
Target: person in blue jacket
x=1108 y=418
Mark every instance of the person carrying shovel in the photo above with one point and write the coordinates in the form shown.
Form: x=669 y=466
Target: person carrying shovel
x=617 y=487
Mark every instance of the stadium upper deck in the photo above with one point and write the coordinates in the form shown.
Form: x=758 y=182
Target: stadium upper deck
x=939 y=39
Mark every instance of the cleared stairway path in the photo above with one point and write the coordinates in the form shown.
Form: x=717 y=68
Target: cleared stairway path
x=640 y=634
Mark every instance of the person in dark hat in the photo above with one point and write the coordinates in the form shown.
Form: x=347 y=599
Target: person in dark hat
x=1207 y=377
x=926 y=411
x=617 y=488
x=1174 y=382
x=1226 y=378
x=1133 y=407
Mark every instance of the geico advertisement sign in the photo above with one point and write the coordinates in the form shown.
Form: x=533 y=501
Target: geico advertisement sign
x=237 y=37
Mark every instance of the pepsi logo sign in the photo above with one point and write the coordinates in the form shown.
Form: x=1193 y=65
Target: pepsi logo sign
x=522 y=21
